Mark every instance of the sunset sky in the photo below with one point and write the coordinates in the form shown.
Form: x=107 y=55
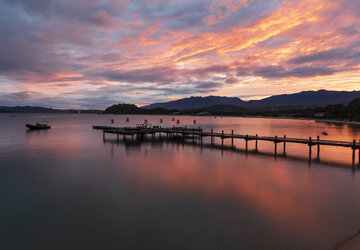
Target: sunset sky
x=91 y=54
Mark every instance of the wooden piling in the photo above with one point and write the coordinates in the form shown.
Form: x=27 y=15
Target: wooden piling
x=353 y=152
x=275 y=149
x=310 y=145
x=359 y=153
x=232 y=138
x=117 y=137
x=222 y=138
x=318 y=148
x=256 y=143
x=211 y=137
x=246 y=143
x=284 y=150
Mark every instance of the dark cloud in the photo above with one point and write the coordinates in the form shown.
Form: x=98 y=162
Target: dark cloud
x=207 y=85
x=153 y=75
x=280 y=72
x=249 y=14
x=350 y=55
x=333 y=54
x=274 y=42
x=204 y=71
x=160 y=75
x=350 y=30
x=243 y=71
x=231 y=80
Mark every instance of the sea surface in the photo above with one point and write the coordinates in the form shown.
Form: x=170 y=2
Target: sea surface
x=67 y=188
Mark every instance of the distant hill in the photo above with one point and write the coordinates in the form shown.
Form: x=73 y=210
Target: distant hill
x=218 y=109
x=302 y=99
x=197 y=102
x=307 y=98
x=123 y=108
x=32 y=109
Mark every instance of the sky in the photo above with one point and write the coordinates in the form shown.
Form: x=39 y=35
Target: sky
x=92 y=54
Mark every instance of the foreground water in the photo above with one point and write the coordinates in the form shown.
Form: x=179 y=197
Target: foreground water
x=66 y=188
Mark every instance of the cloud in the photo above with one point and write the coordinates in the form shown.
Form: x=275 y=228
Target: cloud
x=231 y=80
x=68 y=52
x=280 y=72
x=349 y=54
x=154 y=75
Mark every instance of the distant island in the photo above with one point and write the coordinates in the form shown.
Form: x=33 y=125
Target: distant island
x=133 y=109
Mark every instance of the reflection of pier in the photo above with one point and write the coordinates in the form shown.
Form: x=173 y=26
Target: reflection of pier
x=200 y=134
x=135 y=145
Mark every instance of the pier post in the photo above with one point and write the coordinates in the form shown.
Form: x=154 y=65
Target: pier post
x=318 y=147
x=103 y=134
x=222 y=138
x=284 y=151
x=256 y=143
x=117 y=137
x=246 y=143
x=310 y=145
x=353 y=152
x=201 y=138
x=275 y=145
x=232 y=138
x=211 y=137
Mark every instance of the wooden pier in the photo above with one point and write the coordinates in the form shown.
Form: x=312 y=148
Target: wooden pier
x=185 y=132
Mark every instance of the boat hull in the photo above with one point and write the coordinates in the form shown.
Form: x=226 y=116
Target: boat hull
x=33 y=127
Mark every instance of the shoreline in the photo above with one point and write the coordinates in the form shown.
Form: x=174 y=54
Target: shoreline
x=235 y=116
x=338 y=121
x=269 y=117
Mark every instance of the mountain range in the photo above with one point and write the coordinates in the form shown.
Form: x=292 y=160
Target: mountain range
x=305 y=99
x=302 y=99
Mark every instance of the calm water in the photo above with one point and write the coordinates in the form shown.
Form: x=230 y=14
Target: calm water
x=66 y=188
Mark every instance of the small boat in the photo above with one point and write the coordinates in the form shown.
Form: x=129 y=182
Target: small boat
x=39 y=125
x=324 y=133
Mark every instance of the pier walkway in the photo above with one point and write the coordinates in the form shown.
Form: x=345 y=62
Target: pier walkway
x=198 y=133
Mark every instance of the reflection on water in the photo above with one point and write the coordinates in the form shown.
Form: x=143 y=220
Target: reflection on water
x=66 y=188
x=135 y=144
